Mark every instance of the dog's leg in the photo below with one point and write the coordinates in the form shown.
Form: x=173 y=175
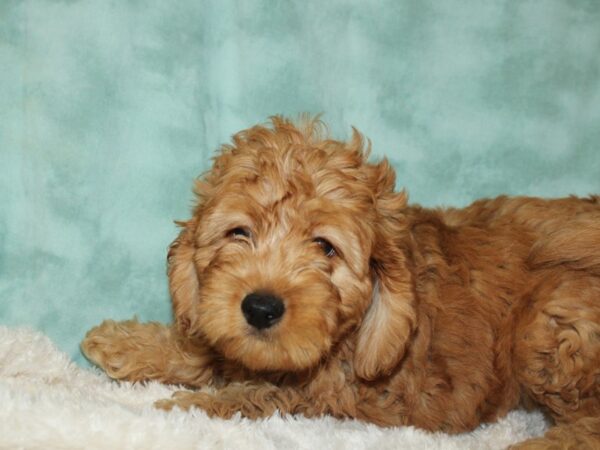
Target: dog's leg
x=136 y=351
x=557 y=359
x=250 y=400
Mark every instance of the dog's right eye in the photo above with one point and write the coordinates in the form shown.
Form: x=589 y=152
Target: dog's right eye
x=326 y=246
x=239 y=232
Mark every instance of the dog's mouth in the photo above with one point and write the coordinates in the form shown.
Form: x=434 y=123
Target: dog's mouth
x=279 y=346
x=264 y=351
x=268 y=335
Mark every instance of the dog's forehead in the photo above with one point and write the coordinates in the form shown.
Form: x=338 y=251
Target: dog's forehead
x=268 y=202
x=273 y=177
x=296 y=198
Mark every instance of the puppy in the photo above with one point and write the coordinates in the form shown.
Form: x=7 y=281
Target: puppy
x=304 y=283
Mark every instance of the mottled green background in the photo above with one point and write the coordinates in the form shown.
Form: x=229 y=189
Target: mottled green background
x=109 y=109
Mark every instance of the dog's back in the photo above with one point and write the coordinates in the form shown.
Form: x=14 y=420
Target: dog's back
x=564 y=232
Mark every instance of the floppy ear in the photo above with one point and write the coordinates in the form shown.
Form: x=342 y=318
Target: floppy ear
x=182 y=261
x=391 y=317
x=183 y=278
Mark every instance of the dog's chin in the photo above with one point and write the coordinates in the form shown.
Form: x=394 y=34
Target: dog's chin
x=265 y=353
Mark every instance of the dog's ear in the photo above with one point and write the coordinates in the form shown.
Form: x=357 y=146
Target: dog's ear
x=391 y=317
x=183 y=278
x=182 y=261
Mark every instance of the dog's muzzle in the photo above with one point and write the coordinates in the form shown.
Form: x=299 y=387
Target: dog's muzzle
x=262 y=310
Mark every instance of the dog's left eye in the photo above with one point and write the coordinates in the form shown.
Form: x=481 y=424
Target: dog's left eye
x=239 y=232
x=326 y=246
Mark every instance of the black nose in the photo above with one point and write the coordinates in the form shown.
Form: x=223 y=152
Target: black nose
x=262 y=310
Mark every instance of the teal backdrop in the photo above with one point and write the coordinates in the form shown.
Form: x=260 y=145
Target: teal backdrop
x=109 y=109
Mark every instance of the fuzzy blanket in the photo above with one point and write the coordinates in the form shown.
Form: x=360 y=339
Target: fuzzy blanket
x=48 y=402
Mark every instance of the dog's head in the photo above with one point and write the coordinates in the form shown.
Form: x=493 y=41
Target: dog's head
x=290 y=248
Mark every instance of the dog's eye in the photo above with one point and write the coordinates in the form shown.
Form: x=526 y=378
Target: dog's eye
x=239 y=232
x=326 y=246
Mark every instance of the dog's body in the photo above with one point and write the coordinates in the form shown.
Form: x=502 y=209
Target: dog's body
x=305 y=284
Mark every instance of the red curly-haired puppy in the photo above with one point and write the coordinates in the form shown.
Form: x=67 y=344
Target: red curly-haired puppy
x=304 y=283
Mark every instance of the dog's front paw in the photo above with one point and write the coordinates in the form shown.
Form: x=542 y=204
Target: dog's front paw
x=225 y=403
x=166 y=404
x=537 y=444
x=186 y=400
x=111 y=346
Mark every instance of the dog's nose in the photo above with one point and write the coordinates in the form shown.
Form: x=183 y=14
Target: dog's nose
x=262 y=310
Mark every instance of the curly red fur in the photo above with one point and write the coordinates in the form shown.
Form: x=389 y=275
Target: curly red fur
x=439 y=318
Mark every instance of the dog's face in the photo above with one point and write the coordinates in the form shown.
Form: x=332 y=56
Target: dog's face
x=275 y=266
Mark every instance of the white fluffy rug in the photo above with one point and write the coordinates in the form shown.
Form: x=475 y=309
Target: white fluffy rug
x=47 y=402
